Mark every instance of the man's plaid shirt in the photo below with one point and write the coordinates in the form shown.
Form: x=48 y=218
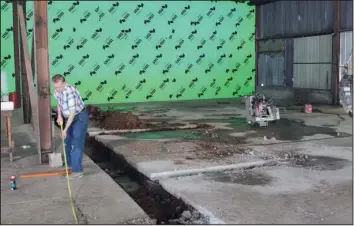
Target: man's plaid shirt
x=68 y=100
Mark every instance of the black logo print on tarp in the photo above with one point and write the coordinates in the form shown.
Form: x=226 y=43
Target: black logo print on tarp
x=201 y=93
x=235 y=92
x=242 y=43
x=125 y=18
x=7 y=32
x=88 y=94
x=162 y=9
x=136 y=44
x=87 y=14
x=5 y=60
x=151 y=94
x=100 y=13
x=96 y=67
x=192 y=83
x=156 y=60
x=59 y=15
x=109 y=59
x=68 y=45
x=138 y=8
x=240 y=19
x=100 y=87
x=200 y=58
x=108 y=43
x=55 y=62
x=134 y=58
x=57 y=33
x=180 y=94
x=211 y=11
x=140 y=84
x=160 y=43
x=213 y=35
x=219 y=22
x=149 y=34
x=163 y=84
x=210 y=66
x=149 y=18
x=73 y=6
x=185 y=10
x=221 y=45
x=179 y=44
x=82 y=43
x=230 y=14
x=78 y=83
x=96 y=34
x=202 y=43
x=113 y=7
x=172 y=20
x=120 y=69
x=193 y=33
x=69 y=70
x=249 y=15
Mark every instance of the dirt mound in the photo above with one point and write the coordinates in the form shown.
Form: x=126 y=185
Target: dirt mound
x=112 y=120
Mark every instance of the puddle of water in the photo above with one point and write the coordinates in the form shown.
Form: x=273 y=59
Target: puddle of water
x=318 y=162
x=283 y=129
x=243 y=177
x=181 y=134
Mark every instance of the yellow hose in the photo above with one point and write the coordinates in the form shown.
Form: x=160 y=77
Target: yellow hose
x=67 y=177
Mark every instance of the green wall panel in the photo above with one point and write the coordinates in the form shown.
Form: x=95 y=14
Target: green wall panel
x=118 y=52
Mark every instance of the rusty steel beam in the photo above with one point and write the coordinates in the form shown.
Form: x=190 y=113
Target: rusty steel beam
x=335 y=53
x=43 y=80
x=17 y=62
x=29 y=75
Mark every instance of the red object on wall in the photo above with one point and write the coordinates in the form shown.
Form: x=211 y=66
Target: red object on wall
x=13 y=97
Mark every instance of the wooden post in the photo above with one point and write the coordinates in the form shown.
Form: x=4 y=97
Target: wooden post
x=16 y=35
x=43 y=80
x=29 y=75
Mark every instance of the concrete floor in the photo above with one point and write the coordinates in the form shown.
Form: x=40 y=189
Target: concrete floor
x=98 y=199
x=307 y=177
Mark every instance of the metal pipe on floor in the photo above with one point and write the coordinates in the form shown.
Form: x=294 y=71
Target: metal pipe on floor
x=43 y=80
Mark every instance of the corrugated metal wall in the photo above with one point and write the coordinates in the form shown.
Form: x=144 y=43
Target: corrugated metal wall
x=346 y=7
x=312 y=62
x=270 y=69
x=293 y=18
x=346 y=46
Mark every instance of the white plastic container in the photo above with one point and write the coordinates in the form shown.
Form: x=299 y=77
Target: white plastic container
x=7 y=106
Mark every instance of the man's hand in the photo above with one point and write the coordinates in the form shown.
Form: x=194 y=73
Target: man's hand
x=59 y=120
x=63 y=134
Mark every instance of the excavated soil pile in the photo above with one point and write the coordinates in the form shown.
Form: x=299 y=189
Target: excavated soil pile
x=112 y=120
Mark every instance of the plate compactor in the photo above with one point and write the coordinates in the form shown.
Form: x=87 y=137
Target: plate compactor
x=261 y=110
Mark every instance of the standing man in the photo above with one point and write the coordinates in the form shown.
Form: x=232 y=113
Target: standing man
x=71 y=108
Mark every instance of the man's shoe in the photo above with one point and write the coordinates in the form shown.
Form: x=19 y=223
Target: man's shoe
x=75 y=175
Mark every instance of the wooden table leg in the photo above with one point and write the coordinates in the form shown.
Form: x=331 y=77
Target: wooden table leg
x=6 y=130
x=9 y=137
x=9 y=130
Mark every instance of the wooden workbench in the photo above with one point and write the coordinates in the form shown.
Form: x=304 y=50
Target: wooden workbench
x=8 y=131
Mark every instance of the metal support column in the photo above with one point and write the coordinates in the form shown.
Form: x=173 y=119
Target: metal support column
x=16 y=36
x=43 y=80
x=335 y=53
